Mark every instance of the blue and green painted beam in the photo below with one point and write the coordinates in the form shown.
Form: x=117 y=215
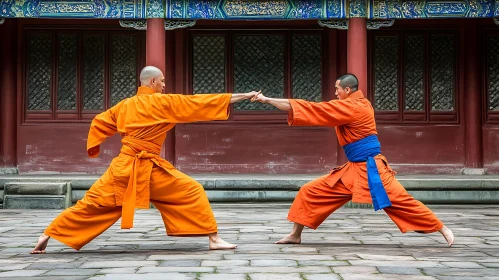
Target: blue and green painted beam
x=251 y=9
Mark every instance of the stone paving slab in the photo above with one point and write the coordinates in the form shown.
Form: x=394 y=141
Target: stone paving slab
x=353 y=244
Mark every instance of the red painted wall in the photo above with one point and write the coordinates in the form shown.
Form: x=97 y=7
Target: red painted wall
x=491 y=148
x=201 y=148
x=423 y=149
x=254 y=148
x=61 y=148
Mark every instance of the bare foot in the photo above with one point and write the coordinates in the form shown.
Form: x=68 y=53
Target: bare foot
x=448 y=235
x=290 y=239
x=217 y=243
x=41 y=245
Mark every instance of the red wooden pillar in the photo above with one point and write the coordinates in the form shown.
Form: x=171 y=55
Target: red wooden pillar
x=8 y=103
x=357 y=51
x=472 y=106
x=155 y=43
x=156 y=56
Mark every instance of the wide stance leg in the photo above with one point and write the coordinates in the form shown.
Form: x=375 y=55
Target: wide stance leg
x=317 y=200
x=91 y=216
x=313 y=204
x=410 y=214
x=184 y=206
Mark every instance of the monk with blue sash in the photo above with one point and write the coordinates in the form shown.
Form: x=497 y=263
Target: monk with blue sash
x=365 y=178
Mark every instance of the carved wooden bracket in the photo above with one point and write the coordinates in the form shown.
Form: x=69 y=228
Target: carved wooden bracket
x=171 y=24
x=376 y=24
x=334 y=23
x=140 y=24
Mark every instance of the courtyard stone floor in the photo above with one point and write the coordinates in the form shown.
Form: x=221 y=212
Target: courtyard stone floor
x=352 y=244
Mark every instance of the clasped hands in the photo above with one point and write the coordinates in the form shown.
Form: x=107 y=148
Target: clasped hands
x=257 y=96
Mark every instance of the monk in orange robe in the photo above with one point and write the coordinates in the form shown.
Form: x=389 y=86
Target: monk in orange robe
x=138 y=175
x=365 y=178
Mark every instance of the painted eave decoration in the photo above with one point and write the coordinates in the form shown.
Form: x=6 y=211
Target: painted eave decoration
x=251 y=9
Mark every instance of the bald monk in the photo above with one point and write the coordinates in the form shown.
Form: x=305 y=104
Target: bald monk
x=138 y=175
x=365 y=178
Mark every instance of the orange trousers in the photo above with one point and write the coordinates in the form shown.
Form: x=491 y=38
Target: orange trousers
x=181 y=200
x=317 y=200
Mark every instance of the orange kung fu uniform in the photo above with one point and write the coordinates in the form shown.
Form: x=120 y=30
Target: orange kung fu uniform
x=353 y=118
x=138 y=175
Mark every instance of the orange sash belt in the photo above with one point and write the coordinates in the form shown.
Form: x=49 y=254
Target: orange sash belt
x=147 y=150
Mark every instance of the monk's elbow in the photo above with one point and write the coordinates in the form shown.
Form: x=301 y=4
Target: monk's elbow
x=93 y=152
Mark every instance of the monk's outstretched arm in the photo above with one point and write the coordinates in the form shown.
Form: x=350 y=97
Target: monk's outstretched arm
x=306 y=113
x=279 y=103
x=177 y=108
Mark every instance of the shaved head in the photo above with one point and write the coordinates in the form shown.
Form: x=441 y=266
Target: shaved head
x=148 y=73
x=152 y=77
x=346 y=85
x=349 y=80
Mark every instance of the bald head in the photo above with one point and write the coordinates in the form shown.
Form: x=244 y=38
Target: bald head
x=152 y=77
x=148 y=73
x=349 y=80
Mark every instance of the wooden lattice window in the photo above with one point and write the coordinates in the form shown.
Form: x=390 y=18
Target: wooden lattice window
x=283 y=64
x=414 y=76
x=73 y=75
x=492 y=77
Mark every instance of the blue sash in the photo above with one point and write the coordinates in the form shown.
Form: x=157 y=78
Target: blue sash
x=364 y=150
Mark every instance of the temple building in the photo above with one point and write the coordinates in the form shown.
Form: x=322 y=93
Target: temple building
x=430 y=69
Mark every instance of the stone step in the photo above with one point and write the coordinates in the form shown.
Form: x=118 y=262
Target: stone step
x=35 y=202
x=36 y=188
x=36 y=195
x=279 y=182
x=430 y=189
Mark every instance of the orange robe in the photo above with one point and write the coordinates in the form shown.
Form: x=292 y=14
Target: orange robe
x=353 y=118
x=138 y=175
